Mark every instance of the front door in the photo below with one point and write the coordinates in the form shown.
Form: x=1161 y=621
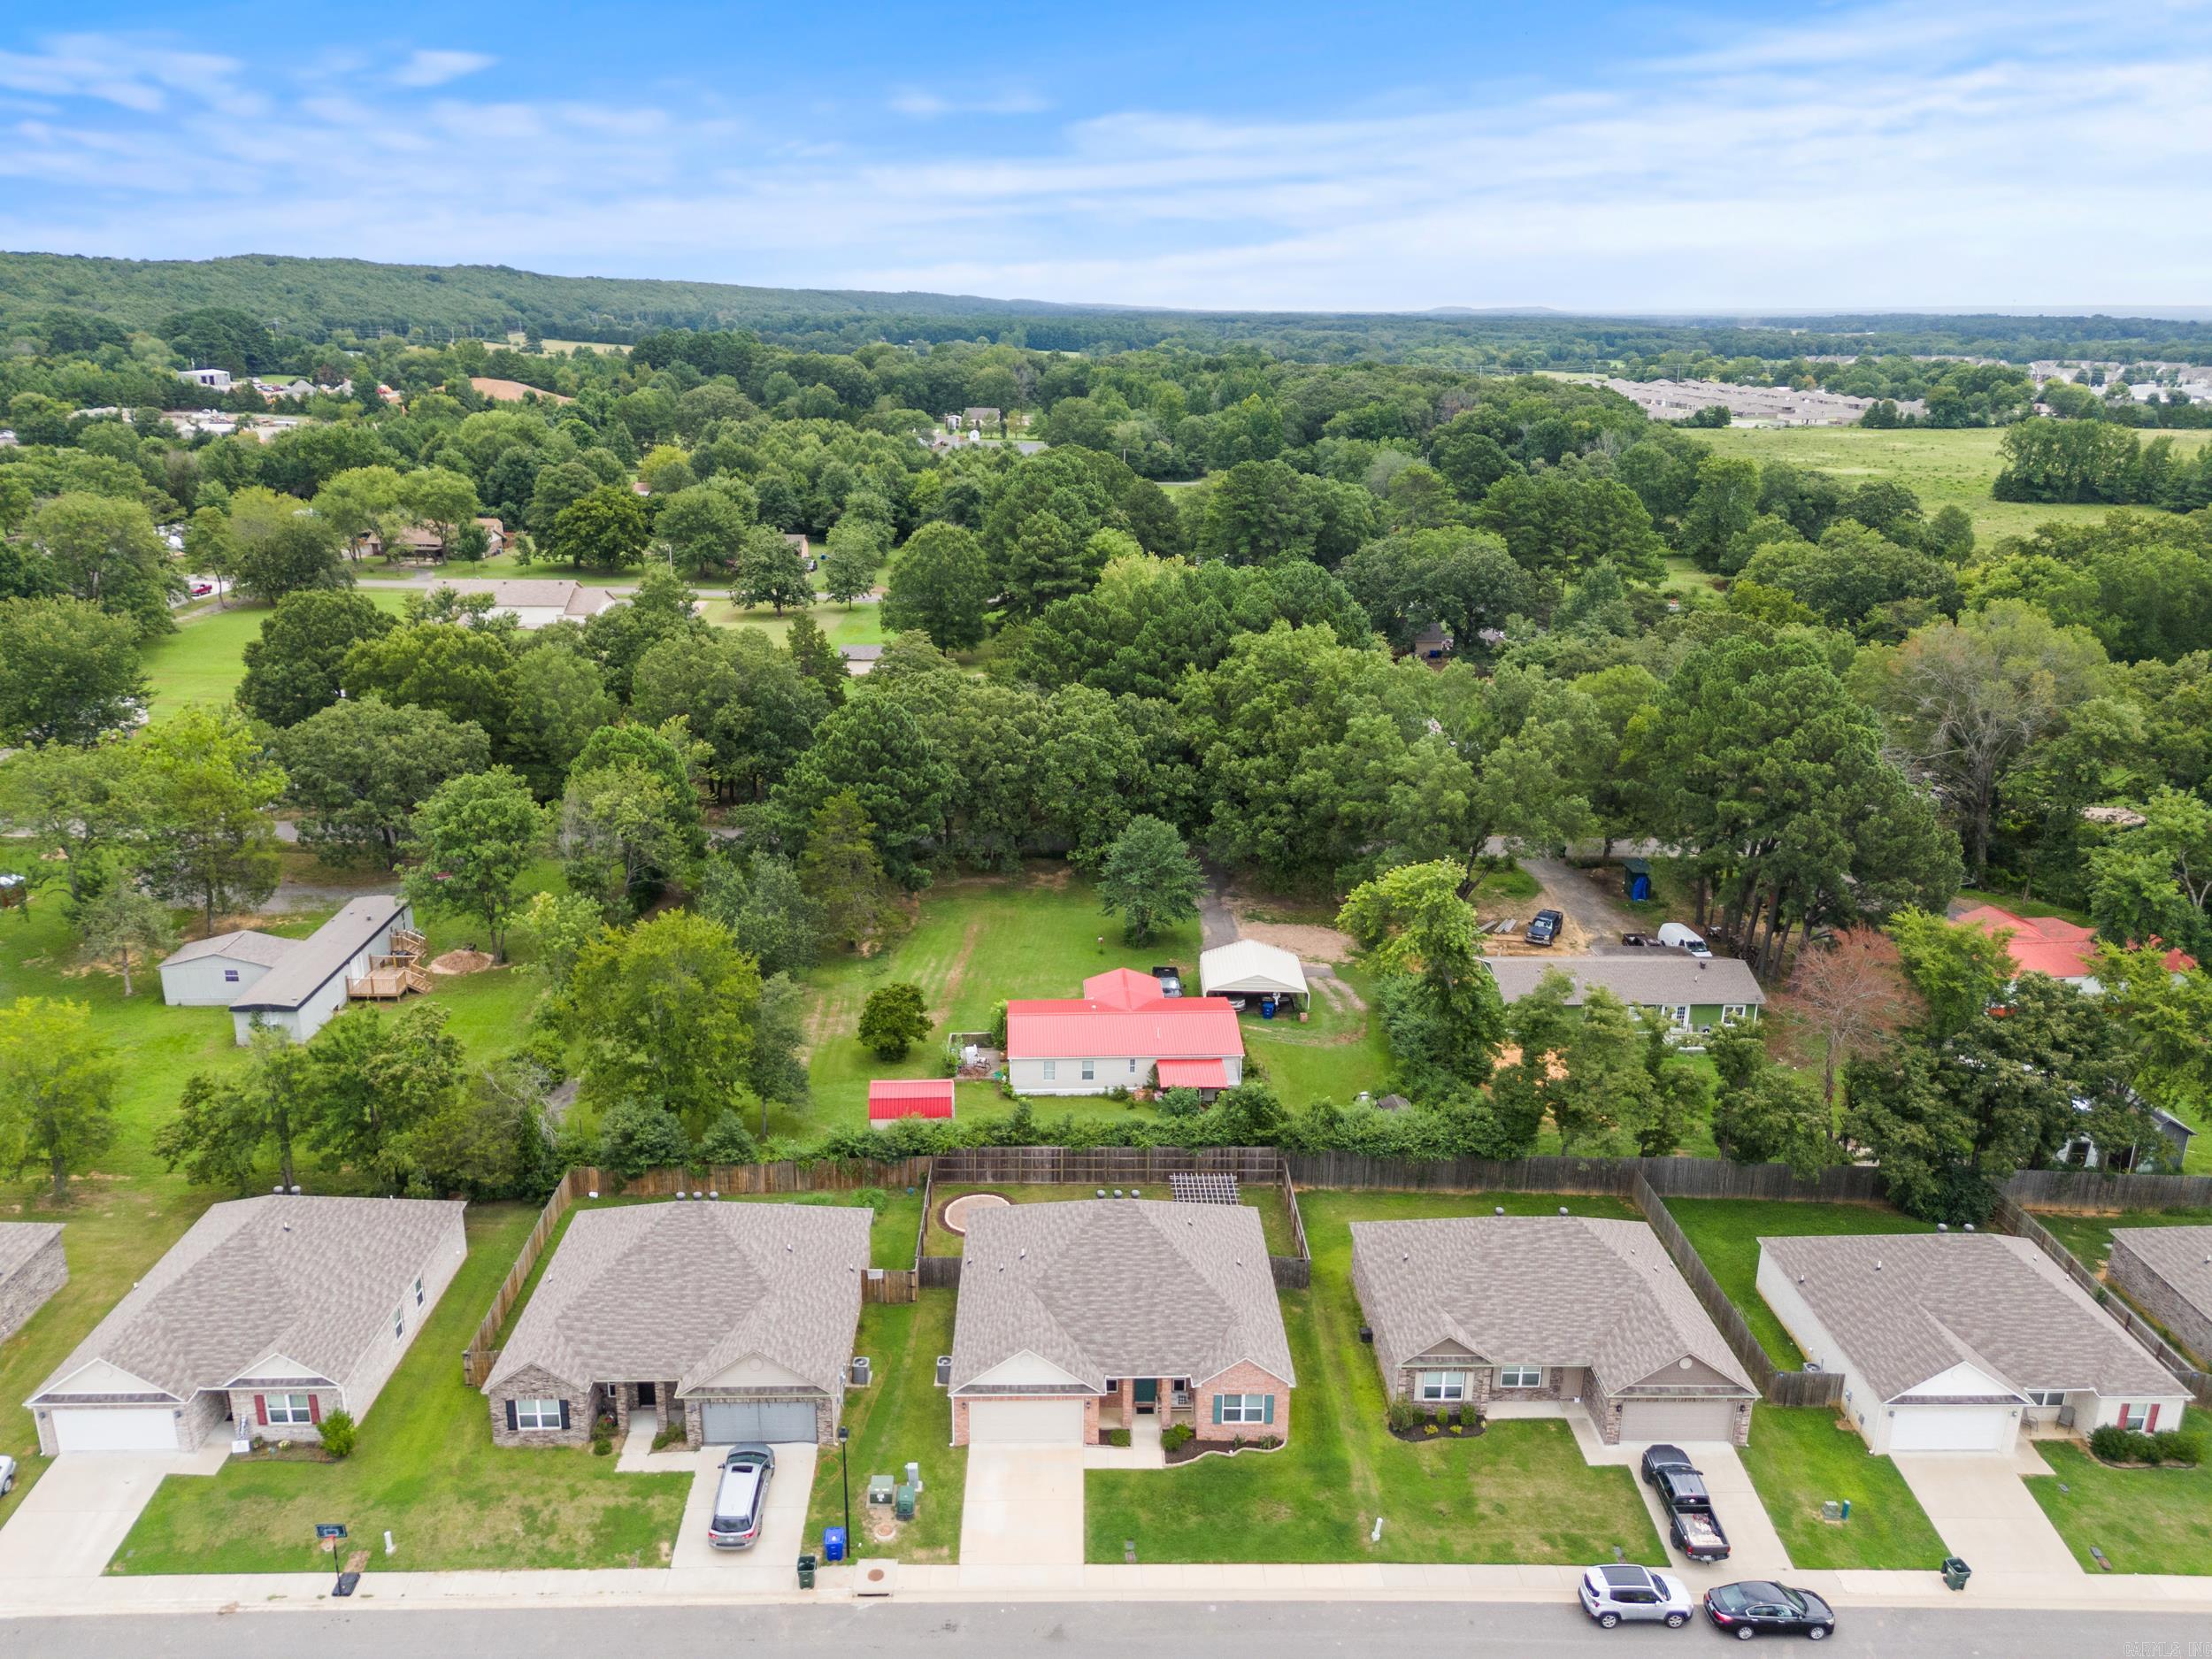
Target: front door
x=645 y=1395
x=1148 y=1394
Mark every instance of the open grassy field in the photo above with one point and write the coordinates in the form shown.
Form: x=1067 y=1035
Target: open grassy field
x=1800 y=1458
x=2144 y=1520
x=1726 y=1234
x=901 y=1417
x=1943 y=468
x=426 y=1468
x=1274 y=1213
x=202 y=662
x=1520 y=1492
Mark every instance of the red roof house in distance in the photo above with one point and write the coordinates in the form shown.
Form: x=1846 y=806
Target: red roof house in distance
x=2045 y=944
x=1122 y=1034
x=890 y=1099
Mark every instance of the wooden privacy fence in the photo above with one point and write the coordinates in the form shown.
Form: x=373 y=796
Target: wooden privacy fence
x=2013 y=1219
x=822 y=1175
x=2094 y=1190
x=1782 y=1387
x=480 y=1356
x=1294 y=1271
x=1104 y=1166
x=1674 y=1178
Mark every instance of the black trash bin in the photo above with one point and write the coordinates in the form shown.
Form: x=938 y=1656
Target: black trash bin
x=806 y=1572
x=1956 y=1572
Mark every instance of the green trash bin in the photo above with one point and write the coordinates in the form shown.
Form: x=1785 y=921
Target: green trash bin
x=1956 y=1572
x=806 y=1572
x=903 y=1505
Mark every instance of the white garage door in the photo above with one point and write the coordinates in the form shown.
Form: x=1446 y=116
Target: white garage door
x=1951 y=1429
x=777 y=1422
x=116 y=1428
x=1031 y=1422
x=1678 y=1420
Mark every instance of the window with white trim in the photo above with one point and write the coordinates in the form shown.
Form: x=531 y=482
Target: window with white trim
x=2137 y=1417
x=1052 y=1070
x=1090 y=1071
x=230 y=976
x=418 y=1292
x=399 y=1320
x=1132 y=1067
x=1443 y=1385
x=1681 y=1017
x=537 y=1414
x=1243 y=1408
x=290 y=1408
x=1731 y=1013
x=2046 y=1396
x=1520 y=1376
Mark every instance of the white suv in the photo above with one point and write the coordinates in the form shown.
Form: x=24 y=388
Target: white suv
x=1611 y=1594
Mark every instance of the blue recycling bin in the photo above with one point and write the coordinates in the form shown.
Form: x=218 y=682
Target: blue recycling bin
x=833 y=1543
x=1267 y=1008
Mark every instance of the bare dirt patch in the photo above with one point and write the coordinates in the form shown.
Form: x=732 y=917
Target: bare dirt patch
x=454 y=962
x=953 y=1218
x=1307 y=941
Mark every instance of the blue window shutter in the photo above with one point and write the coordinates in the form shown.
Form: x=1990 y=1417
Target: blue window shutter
x=511 y=1417
x=1216 y=1408
x=564 y=1414
x=1271 y=1408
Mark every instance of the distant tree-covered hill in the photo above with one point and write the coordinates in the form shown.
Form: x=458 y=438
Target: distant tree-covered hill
x=316 y=299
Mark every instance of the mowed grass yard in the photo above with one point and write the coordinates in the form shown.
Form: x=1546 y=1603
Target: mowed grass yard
x=425 y=1468
x=901 y=1417
x=1519 y=1493
x=203 y=660
x=2144 y=1520
x=1726 y=1234
x=1274 y=1213
x=1799 y=1458
x=1944 y=467
x=2090 y=1237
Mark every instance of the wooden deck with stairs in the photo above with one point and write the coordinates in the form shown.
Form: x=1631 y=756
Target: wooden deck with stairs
x=391 y=977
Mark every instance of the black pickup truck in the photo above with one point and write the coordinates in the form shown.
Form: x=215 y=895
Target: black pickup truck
x=1690 y=1523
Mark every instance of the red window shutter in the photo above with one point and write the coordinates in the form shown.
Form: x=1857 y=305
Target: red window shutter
x=314 y=1407
x=2150 y=1423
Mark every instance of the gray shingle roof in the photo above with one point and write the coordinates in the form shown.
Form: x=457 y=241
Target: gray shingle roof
x=662 y=1292
x=1983 y=1299
x=314 y=1279
x=1553 y=1290
x=2180 y=1256
x=242 y=946
x=1657 y=979
x=307 y=967
x=20 y=1240
x=1118 y=1287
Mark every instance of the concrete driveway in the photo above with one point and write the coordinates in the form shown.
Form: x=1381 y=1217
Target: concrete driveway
x=1024 y=1507
x=1982 y=1510
x=771 y=1563
x=70 y=1524
x=1755 y=1548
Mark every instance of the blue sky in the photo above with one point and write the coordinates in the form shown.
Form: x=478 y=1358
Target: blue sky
x=1592 y=157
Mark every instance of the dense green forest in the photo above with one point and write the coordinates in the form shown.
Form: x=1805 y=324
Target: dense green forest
x=317 y=299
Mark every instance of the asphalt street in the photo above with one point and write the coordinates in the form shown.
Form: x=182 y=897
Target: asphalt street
x=1285 y=1630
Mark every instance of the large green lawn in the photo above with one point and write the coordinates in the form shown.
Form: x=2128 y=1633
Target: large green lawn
x=2090 y=1237
x=1944 y=467
x=426 y=1469
x=1726 y=1234
x=1274 y=1213
x=901 y=1417
x=1800 y=1458
x=1520 y=1492
x=203 y=660
x=2144 y=1520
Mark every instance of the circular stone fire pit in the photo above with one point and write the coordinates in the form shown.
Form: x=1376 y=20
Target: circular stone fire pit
x=958 y=1211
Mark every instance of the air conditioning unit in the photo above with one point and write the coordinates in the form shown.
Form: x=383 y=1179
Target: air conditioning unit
x=944 y=1370
x=860 y=1370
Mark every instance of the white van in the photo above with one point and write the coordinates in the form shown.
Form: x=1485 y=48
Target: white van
x=1682 y=937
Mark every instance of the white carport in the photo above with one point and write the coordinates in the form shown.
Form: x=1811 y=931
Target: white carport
x=1248 y=967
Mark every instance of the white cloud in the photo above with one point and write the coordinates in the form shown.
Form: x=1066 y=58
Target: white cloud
x=426 y=68
x=926 y=105
x=132 y=72
x=1808 y=168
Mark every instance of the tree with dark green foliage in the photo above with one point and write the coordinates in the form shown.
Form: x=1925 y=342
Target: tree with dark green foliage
x=57 y=1085
x=294 y=667
x=1442 y=1009
x=124 y=923
x=72 y=810
x=939 y=585
x=358 y=769
x=464 y=672
x=206 y=784
x=604 y=530
x=893 y=1020
x=636 y=1135
x=105 y=552
x=763 y=903
x=842 y=874
x=228 y=1123
x=880 y=751
x=662 y=609
x=816 y=658
x=473 y=838
x=666 y=1011
x=769 y=571
x=276 y=548
x=69 y=671
x=1150 y=878
x=560 y=699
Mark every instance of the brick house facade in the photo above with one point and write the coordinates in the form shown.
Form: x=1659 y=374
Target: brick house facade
x=2149 y=1288
x=265 y=1411
x=1563 y=1383
x=620 y=1399
x=1243 y=1380
x=41 y=1271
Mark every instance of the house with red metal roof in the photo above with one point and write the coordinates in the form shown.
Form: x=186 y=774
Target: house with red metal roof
x=892 y=1098
x=2045 y=944
x=1122 y=1034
